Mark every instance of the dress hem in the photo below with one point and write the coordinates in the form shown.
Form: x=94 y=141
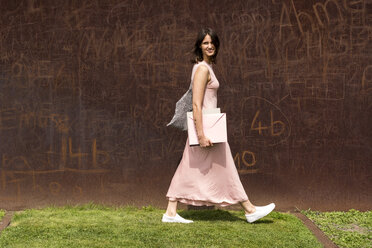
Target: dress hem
x=193 y=202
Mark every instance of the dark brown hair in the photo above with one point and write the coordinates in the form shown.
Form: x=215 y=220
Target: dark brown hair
x=198 y=51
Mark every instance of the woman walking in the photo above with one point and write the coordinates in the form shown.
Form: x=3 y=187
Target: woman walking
x=207 y=174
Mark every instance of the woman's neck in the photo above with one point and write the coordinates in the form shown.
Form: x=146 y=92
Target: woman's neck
x=207 y=60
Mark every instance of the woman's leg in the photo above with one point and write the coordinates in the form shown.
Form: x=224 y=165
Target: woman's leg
x=171 y=209
x=248 y=207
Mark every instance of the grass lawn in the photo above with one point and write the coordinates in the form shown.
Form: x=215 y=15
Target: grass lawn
x=2 y=213
x=98 y=226
x=345 y=229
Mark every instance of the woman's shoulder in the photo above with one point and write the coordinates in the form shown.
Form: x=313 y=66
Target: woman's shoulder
x=202 y=65
x=203 y=68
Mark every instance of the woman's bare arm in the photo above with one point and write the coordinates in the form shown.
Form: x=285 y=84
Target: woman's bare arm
x=200 y=81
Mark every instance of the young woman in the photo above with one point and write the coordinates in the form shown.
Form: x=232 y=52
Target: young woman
x=207 y=174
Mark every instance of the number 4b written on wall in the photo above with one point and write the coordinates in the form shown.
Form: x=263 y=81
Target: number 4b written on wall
x=276 y=128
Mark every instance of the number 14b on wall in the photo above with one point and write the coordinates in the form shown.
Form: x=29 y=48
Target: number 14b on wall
x=275 y=128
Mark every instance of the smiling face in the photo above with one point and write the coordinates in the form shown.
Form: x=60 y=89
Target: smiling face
x=207 y=47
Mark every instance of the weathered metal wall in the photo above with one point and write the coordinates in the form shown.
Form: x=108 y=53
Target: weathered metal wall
x=86 y=88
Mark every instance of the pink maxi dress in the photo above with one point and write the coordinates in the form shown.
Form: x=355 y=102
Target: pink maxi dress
x=207 y=176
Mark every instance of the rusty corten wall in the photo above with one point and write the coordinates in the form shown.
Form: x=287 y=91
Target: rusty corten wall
x=87 y=87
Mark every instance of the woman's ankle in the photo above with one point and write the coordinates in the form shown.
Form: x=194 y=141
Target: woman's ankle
x=248 y=207
x=250 y=210
x=171 y=209
x=170 y=214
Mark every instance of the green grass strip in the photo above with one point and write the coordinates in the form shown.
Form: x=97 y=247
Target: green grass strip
x=351 y=229
x=99 y=226
x=2 y=213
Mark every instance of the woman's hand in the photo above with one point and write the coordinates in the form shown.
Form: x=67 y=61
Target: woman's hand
x=205 y=142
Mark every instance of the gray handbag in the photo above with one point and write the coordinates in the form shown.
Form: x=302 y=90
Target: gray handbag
x=183 y=106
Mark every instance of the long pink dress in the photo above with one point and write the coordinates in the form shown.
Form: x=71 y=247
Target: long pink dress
x=207 y=176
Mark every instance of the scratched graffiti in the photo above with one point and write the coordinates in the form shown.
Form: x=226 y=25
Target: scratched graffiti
x=87 y=87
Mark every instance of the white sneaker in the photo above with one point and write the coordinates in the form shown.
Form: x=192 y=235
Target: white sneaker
x=260 y=212
x=175 y=219
x=260 y=207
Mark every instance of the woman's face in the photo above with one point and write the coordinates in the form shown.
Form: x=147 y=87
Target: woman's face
x=207 y=47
